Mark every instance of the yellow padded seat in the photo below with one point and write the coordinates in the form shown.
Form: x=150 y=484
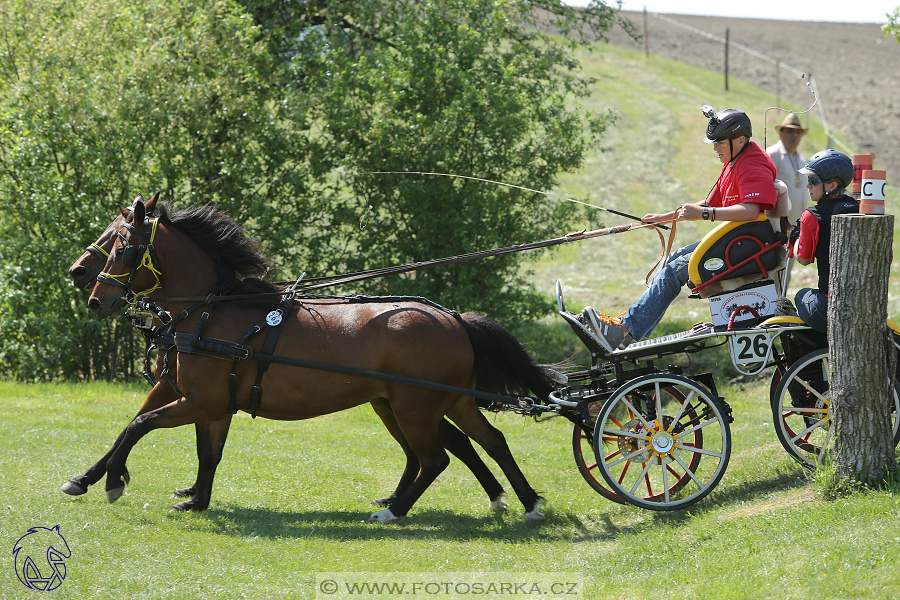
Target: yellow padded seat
x=730 y=244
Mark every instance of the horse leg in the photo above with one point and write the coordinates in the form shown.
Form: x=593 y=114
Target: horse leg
x=201 y=431
x=160 y=395
x=383 y=410
x=461 y=447
x=455 y=441
x=174 y=414
x=214 y=435
x=421 y=428
x=474 y=424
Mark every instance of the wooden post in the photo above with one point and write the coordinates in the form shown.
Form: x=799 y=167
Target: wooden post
x=863 y=361
x=646 y=35
x=726 y=58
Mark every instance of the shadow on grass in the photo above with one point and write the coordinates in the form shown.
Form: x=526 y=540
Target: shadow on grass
x=444 y=524
x=353 y=525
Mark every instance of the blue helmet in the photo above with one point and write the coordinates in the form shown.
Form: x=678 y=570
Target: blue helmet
x=830 y=165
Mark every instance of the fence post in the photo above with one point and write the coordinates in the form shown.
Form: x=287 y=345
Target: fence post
x=863 y=361
x=726 y=58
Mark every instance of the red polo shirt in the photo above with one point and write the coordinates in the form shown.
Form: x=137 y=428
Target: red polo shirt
x=748 y=179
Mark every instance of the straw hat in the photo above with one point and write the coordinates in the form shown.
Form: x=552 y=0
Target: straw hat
x=791 y=121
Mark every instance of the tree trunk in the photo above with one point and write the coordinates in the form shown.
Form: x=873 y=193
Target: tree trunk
x=862 y=353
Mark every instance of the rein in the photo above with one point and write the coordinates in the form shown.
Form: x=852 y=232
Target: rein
x=333 y=280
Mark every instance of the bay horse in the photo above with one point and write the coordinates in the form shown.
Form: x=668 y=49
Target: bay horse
x=210 y=437
x=201 y=250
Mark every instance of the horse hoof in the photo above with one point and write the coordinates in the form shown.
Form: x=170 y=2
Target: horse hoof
x=535 y=515
x=385 y=516
x=73 y=489
x=183 y=493
x=189 y=505
x=383 y=501
x=498 y=504
x=115 y=493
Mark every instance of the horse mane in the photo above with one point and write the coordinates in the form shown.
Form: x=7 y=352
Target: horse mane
x=240 y=259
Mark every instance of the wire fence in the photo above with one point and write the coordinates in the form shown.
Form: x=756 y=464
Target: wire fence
x=834 y=140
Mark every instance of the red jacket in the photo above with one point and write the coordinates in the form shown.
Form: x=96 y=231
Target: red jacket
x=748 y=179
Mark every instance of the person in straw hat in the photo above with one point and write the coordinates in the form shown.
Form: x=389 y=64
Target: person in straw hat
x=788 y=162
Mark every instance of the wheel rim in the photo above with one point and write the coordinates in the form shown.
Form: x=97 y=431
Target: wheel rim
x=582 y=448
x=654 y=460
x=802 y=411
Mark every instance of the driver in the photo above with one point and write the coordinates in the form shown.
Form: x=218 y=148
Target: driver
x=743 y=190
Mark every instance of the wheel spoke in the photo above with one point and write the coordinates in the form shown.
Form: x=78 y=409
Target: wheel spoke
x=636 y=413
x=683 y=407
x=658 y=400
x=637 y=481
x=799 y=410
x=617 y=433
x=702 y=451
x=696 y=427
x=824 y=448
x=810 y=389
x=689 y=472
x=665 y=478
x=628 y=456
x=807 y=431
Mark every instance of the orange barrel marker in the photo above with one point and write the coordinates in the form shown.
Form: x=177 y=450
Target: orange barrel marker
x=871 y=200
x=861 y=162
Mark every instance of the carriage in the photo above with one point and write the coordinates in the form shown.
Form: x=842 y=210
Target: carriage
x=659 y=438
x=656 y=437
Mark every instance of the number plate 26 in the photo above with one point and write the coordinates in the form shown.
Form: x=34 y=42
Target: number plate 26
x=749 y=348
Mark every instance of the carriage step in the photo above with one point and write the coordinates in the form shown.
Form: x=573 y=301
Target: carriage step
x=698 y=329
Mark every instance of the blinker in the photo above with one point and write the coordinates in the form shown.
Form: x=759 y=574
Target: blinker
x=131 y=255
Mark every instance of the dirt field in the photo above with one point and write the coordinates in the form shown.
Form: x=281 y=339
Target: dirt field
x=856 y=70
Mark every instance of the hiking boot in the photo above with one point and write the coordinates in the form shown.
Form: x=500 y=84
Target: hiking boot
x=610 y=330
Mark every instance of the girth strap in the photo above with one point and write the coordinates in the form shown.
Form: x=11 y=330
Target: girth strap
x=263 y=365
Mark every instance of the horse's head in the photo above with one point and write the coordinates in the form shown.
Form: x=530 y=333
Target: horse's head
x=84 y=271
x=128 y=245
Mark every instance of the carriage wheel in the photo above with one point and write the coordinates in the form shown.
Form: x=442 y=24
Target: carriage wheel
x=583 y=449
x=802 y=413
x=648 y=448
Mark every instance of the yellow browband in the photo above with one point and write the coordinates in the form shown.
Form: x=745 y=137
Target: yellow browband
x=146 y=261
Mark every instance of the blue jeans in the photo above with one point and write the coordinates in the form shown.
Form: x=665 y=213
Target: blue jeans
x=644 y=315
x=812 y=307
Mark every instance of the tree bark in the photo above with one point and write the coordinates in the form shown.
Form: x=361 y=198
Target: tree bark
x=860 y=346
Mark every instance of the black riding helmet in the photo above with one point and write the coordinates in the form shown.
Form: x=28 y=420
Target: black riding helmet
x=726 y=124
x=830 y=165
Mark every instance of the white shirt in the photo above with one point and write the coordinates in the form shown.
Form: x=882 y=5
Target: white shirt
x=786 y=169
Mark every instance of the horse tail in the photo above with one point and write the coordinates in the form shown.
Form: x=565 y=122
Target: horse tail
x=502 y=365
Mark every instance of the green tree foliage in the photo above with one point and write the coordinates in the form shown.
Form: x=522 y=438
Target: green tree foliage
x=892 y=27
x=459 y=87
x=104 y=99
x=271 y=109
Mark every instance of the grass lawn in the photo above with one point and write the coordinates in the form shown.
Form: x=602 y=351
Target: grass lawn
x=291 y=501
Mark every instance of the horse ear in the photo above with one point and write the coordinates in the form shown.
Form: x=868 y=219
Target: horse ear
x=125 y=212
x=151 y=204
x=139 y=197
x=138 y=213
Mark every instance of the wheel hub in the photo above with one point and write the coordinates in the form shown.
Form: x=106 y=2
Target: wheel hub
x=662 y=442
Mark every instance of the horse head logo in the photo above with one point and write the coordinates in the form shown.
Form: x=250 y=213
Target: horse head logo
x=33 y=549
